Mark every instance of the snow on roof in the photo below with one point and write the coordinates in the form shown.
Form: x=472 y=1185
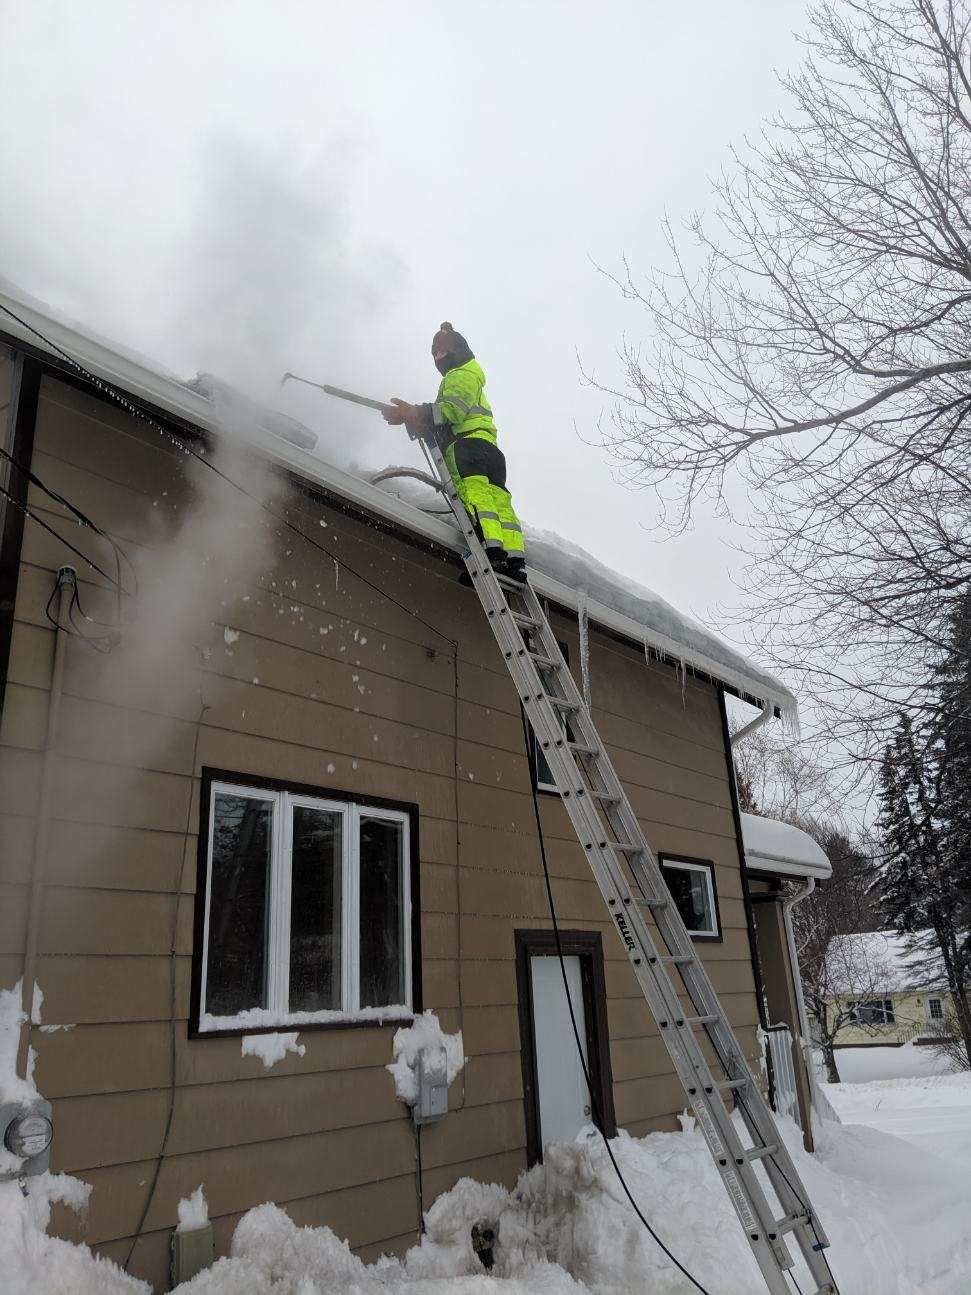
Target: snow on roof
x=774 y=846
x=881 y=960
x=560 y=570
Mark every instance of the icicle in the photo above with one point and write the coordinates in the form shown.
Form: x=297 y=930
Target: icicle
x=337 y=575
x=583 y=621
x=684 y=678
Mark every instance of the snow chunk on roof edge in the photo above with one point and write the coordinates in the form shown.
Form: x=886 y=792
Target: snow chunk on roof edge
x=774 y=846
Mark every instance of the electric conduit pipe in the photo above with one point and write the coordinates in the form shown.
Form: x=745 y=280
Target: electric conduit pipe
x=67 y=579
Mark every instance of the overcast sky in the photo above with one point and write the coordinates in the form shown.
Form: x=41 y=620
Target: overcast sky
x=254 y=187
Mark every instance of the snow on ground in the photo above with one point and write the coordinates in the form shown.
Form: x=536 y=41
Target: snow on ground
x=930 y=1111
x=896 y=1214
x=860 y=1065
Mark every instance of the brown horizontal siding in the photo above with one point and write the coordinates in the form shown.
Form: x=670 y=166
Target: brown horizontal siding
x=350 y=1212
x=321 y=1133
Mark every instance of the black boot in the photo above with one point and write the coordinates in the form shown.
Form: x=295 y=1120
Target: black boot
x=516 y=568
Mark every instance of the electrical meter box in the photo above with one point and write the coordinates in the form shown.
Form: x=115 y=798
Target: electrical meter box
x=26 y=1131
x=431 y=1071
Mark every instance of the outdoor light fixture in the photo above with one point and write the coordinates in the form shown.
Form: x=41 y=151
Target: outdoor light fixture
x=26 y=1131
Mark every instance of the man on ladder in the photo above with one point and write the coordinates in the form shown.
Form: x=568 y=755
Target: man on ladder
x=460 y=421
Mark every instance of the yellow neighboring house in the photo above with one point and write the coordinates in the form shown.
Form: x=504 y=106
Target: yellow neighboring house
x=884 y=994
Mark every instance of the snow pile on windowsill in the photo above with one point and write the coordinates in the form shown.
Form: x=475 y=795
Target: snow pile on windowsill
x=255 y=1018
x=424 y=1037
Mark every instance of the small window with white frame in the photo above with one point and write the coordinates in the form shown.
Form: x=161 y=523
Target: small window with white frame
x=304 y=909
x=935 y=1009
x=692 y=886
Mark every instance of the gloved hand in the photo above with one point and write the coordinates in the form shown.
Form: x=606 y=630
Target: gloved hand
x=398 y=412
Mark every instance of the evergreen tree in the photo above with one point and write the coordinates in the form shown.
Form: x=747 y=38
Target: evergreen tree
x=954 y=746
x=921 y=891
x=955 y=728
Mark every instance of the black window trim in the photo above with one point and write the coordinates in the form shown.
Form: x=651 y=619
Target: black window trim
x=667 y=860
x=210 y=775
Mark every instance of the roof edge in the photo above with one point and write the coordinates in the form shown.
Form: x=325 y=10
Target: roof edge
x=25 y=322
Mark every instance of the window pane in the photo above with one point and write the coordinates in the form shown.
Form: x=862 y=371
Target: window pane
x=315 y=910
x=689 y=890
x=937 y=1010
x=382 y=913
x=238 y=904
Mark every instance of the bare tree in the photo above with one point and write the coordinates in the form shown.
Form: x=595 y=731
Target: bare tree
x=813 y=340
x=841 y=975
x=784 y=778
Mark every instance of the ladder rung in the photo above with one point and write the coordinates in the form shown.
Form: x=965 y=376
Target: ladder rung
x=732 y=1085
x=529 y=622
x=678 y=959
x=606 y=797
x=622 y=848
x=658 y=901
x=694 y=1021
x=758 y=1153
x=562 y=704
x=546 y=662
x=581 y=748
x=790 y=1222
x=515 y=586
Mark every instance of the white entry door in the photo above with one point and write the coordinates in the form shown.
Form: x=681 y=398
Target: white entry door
x=563 y=1100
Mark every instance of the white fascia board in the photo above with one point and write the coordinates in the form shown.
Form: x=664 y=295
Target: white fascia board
x=134 y=377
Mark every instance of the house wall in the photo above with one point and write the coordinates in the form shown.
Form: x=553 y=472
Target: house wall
x=911 y=1020
x=432 y=719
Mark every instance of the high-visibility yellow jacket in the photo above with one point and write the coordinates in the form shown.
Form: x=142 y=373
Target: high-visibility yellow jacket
x=461 y=407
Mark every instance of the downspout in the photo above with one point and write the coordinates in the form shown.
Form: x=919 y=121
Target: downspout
x=761 y=718
x=753 y=943
x=66 y=584
x=805 y=1040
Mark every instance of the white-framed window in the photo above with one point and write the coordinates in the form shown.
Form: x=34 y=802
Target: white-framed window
x=306 y=909
x=935 y=1009
x=692 y=886
x=872 y=1011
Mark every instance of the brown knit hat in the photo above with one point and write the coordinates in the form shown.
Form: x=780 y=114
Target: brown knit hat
x=447 y=339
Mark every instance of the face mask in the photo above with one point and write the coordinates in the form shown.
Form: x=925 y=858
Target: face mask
x=444 y=364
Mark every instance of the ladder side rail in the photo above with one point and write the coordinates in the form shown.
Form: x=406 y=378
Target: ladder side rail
x=753 y=1107
x=743 y=1186
x=693 y=1072
x=754 y=1210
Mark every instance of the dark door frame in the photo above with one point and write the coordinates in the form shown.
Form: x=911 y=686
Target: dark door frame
x=588 y=947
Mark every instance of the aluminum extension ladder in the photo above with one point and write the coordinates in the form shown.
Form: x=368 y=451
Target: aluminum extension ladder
x=630 y=880
x=633 y=888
